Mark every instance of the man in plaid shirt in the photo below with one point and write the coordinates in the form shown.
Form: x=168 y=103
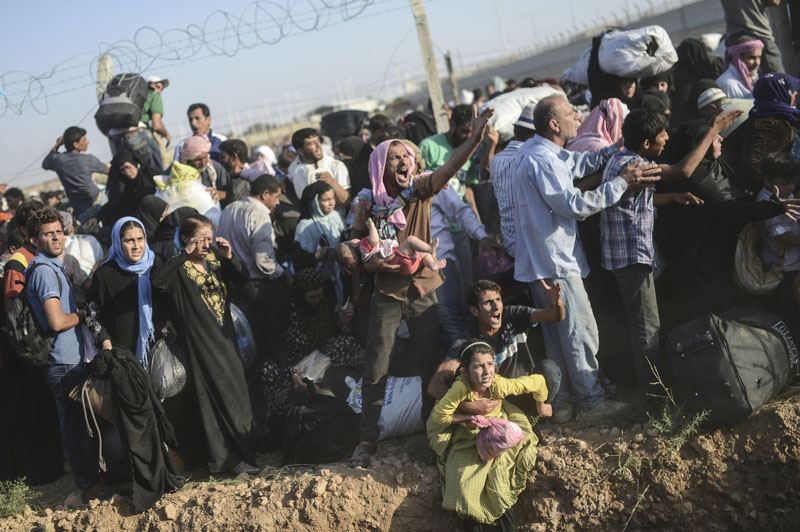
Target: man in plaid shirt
x=626 y=228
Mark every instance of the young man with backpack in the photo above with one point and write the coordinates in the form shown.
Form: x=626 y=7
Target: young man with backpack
x=53 y=305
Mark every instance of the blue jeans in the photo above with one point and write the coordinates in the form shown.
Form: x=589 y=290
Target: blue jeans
x=79 y=449
x=572 y=343
x=143 y=144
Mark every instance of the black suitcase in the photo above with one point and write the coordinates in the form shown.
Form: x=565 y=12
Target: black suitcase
x=121 y=103
x=731 y=364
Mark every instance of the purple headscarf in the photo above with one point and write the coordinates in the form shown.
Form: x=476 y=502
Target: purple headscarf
x=773 y=96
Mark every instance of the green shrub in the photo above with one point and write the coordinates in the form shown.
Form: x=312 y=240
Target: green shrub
x=15 y=496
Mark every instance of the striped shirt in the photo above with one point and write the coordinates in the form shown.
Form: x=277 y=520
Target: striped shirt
x=626 y=229
x=501 y=171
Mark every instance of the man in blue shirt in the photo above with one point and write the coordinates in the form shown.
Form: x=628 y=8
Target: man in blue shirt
x=547 y=206
x=53 y=305
x=200 y=122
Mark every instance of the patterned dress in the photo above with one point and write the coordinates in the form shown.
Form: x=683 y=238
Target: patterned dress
x=310 y=328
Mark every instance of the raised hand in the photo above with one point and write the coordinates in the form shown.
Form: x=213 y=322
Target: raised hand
x=224 y=248
x=723 y=121
x=479 y=121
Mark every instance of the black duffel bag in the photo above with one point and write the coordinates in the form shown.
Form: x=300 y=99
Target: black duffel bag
x=731 y=364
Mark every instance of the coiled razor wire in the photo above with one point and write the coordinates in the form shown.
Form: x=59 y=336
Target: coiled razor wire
x=221 y=34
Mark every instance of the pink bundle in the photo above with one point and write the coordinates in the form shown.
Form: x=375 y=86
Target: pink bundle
x=496 y=436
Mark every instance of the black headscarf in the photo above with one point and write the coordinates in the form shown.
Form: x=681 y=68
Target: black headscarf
x=166 y=229
x=694 y=63
x=351 y=147
x=149 y=213
x=125 y=194
x=418 y=126
x=652 y=99
x=693 y=58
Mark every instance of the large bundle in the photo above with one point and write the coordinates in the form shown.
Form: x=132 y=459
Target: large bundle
x=341 y=124
x=507 y=107
x=578 y=72
x=185 y=189
x=121 y=103
x=731 y=364
x=639 y=53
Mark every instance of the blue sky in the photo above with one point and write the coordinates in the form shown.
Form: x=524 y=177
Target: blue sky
x=350 y=58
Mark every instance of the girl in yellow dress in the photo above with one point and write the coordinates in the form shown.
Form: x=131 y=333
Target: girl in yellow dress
x=483 y=492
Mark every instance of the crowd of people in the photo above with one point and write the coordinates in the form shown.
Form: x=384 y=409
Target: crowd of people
x=500 y=271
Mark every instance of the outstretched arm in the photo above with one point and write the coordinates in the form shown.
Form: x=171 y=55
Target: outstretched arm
x=686 y=166
x=462 y=153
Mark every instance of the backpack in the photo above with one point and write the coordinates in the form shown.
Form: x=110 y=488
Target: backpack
x=122 y=102
x=27 y=336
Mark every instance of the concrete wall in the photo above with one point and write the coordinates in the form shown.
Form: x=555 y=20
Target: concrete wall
x=688 y=21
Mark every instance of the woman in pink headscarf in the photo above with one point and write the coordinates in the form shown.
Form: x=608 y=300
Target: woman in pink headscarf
x=740 y=69
x=399 y=204
x=603 y=127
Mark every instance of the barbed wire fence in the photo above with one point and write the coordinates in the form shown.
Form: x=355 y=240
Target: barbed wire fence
x=222 y=33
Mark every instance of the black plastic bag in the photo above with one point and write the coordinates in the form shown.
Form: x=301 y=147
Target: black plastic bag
x=314 y=428
x=166 y=369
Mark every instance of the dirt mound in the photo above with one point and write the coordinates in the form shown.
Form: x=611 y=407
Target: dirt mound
x=605 y=478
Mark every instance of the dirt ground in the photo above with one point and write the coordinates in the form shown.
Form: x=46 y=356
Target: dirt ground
x=586 y=478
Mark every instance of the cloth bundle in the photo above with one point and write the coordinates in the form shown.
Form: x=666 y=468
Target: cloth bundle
x=639 y=53
x=497 y=435
x=185 y=189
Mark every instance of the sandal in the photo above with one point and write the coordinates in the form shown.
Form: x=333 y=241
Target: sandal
x=362 y=454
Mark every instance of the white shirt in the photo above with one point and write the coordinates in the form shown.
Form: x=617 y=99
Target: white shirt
x=86 y=249
x=303 y=174
x=732 y=85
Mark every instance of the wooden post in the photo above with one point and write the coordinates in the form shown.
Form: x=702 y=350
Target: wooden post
x=429 y=59
x=448 y=61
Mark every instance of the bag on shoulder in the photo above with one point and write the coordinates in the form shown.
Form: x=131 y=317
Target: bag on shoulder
x=122 y=102
x=166 y=369
x=28 y=339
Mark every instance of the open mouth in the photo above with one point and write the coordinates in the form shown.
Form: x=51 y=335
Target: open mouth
x=495 y=316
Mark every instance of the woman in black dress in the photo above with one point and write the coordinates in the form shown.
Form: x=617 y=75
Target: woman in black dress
x=198 y=280
x=121 y=298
